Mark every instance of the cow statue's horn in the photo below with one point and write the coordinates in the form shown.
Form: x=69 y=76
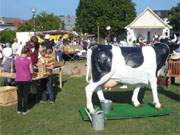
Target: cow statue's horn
x=175 y=39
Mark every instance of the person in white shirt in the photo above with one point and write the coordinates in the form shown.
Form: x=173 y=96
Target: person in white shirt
x=15 y=47
x=21 y=45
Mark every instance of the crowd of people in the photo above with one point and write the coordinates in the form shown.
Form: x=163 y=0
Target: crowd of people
x=23 y=60
x=141 y=41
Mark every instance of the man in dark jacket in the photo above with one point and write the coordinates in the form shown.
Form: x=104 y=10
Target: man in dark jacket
x=47 y=43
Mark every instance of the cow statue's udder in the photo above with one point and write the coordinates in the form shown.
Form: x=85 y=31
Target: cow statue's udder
x=110 y=84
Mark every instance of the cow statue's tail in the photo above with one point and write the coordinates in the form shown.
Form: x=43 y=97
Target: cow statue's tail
x=88 y=72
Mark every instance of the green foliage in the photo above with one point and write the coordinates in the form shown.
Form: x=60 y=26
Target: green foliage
x=7 y=36
x=28 y=26
x=46 y=21
x=174 y=17
x=114 y=13
x=43 y=22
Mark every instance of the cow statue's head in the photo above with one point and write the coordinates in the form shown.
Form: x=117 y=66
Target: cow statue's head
x=171 y=43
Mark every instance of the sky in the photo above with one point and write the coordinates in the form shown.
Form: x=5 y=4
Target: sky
x=23 y=8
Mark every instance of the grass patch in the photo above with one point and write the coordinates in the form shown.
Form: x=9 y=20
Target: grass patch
x=63 y=117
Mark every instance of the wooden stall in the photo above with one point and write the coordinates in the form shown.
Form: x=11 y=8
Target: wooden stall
x=173 y=69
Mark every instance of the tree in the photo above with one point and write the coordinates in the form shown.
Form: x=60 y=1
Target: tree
x=7 y=36
x=174 y=17
x=27 y=26
x=43 y=22
x=114 y=13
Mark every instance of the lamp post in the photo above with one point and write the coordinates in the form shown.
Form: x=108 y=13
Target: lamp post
x=97 y=32
x=33 y=18
x=108 y=28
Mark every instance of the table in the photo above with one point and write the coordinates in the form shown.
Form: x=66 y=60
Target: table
x=56 y=70
x=7 y=75
x=37 y=89
x=13 y=75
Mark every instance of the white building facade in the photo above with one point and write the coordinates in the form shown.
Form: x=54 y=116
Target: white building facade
x=147 y=24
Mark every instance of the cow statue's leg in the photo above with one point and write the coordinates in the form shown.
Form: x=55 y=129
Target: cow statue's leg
x=90 y=88
x=100 y=94
x=153 y=83
x=134 y=99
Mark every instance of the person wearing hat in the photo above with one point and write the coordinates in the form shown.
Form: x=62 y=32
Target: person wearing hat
x=47 y=43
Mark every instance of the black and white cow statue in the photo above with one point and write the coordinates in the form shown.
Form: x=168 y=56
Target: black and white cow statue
x=138 y=66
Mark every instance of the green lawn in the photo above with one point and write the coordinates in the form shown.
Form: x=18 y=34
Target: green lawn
x=63 y=116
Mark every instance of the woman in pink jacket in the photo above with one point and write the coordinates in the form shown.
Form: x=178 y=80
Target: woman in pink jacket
x=23 y=65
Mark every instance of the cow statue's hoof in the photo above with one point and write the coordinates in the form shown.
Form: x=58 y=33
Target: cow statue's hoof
x=158 y=106
x=136 y=104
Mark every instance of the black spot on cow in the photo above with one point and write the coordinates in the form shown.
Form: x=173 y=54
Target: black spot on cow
x=101 y=60
x=162 y=51
x=133 y=56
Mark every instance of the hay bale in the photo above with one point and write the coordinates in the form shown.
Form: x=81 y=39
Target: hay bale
x=8 y=95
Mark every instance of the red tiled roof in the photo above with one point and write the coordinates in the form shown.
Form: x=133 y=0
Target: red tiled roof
x=13 y=21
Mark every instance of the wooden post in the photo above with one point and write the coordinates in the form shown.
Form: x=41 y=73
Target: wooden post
x=60 y=78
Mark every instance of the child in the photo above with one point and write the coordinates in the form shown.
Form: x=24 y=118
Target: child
x=49 y=61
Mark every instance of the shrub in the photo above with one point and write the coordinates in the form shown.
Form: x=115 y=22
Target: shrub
x=7 y=36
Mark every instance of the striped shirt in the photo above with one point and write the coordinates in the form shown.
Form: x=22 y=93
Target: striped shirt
x=49 y=61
